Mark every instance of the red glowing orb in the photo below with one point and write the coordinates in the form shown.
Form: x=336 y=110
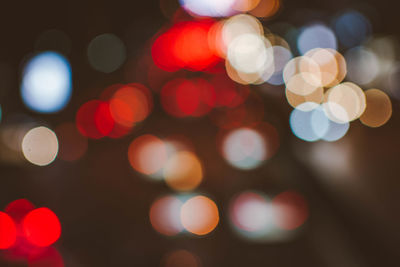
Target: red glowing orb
x=185 y=45
x=41 y=227
x=8 y=231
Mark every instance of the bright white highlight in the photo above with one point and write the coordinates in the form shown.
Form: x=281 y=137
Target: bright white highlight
x=244 y=149
x=40 y=146
x=209 y=8
x=46 y=83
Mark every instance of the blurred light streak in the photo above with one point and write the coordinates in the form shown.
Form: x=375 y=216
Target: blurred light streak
x=46 y=85
x=40 y=146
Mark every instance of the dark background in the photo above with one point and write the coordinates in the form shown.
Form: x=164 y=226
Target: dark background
x=103 y=204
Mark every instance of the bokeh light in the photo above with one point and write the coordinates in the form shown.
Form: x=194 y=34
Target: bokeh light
x=344 y=102
x=183 y=171
x=165 y=215
x=199 y=215
x=42 y=227
x=94 y=120
x=188 y=97
x=46 y=85
x=209 y=8
x=331 y=63
x=251 y=212
x=40 y=146
x=130 y=104
x=181 y=258
x=296 y=100
x=316 y=36
x=245 y=5
x=185 y=45
x=266 y=8
x=8 y=231
x=147 y=154
x=18 y=209
x=302 y=76
x=352 y=28
x=106 y=53
x=254 y=216
x=362 y=65
x=310 y=122
x=378 y=110
x=281 y=56
x=244 y=148
x=291 y=210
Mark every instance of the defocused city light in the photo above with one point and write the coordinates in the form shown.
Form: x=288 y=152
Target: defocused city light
x=40 y=146
x=46 y=85
x=42 y=227
x=199 y=215
x=106 y=53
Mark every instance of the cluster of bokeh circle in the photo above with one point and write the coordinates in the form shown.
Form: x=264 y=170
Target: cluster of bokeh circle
x=212 y=60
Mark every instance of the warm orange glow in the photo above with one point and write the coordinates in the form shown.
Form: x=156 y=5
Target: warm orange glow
x=295 y=100
x=183 y=171
x=378 y=110
x=130 y=105
x=266 y=8
x=245 y=5
x=181 y=258
x=147 y=154
x=199 y=215
x=345 y=102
